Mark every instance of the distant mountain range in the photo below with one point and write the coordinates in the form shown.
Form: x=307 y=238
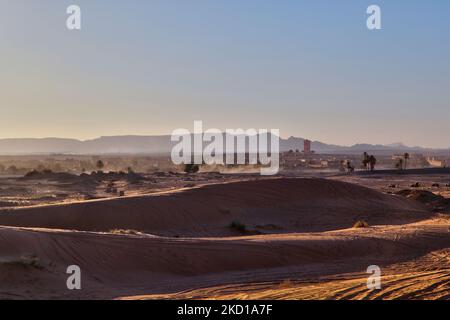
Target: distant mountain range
x=320 y=147
x=163 y=145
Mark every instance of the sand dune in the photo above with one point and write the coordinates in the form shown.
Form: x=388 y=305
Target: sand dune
x=188 y=244
x=267 y=206
x=406 y=284
x=116 y=266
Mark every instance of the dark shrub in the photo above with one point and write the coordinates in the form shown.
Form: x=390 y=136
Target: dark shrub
x=191 y=168
x=238 y=226
x=361 y=224
x=32 y=173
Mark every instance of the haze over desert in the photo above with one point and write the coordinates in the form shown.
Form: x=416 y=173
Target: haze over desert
x=209 y=235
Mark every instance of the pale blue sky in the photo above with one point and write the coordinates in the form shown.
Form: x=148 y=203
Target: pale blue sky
x=309 y=68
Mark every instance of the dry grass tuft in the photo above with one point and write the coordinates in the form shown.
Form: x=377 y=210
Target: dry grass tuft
x=361 y=224
x=286 y=284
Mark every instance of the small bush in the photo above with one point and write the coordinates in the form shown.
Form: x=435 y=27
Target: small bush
x=191 y=168
x=100 y=165
x=238 y=226
x=286 y=284
x=361 y=224
x=32 y=173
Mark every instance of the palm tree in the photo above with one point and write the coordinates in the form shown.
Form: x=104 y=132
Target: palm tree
x=399 y=164
x=406 y=156
x=366 y=161
x=100 y=164
x=373 y=162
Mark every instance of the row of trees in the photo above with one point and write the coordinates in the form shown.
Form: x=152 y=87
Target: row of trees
x=56 y=167
x=369 y=161
x=402 y=163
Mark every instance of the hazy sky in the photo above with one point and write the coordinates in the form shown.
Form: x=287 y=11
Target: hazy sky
x=310 y=68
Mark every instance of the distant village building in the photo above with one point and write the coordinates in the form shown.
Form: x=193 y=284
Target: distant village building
x=292 y=159
x=435 y=163
x=398 y=156
x=307 y=146
x=324 y=163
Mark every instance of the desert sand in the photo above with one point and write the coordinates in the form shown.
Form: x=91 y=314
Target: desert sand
x=297 y=242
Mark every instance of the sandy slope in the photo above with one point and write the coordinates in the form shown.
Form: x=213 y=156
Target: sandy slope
x=280 y=205
x=398 y=283
x=425 y=277
x=115 y=266
x=321 y=264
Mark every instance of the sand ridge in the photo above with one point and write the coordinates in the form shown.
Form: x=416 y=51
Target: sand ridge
x=110 y=261
x=193 y=247
x=289 y=205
